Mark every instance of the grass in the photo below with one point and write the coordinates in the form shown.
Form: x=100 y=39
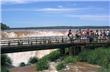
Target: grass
x=70 y=59
x=102 y=69
x=66 y=60
x=99 y=56
x=60 y=66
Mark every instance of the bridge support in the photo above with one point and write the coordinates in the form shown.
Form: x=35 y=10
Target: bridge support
x=74 y=50
x=77 y=50
x=62 y=51
x=71 y=51
x=82 y=48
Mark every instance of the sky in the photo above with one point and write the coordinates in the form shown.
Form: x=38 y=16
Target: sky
x=40 y=13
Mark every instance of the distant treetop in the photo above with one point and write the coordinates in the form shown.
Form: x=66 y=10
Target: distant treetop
x=4 y=26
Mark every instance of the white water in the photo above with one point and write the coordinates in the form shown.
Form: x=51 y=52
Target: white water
x=19 y=57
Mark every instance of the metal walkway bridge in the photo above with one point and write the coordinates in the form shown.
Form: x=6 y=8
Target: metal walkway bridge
x=11 y=45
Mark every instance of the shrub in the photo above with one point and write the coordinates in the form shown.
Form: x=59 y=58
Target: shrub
x=42 y=64
x=102 y=69
x=92 y=57
x=33 y=60
x=70 y=59
x=67 y=59
x=60 y=66
x=22 y=64
x=83 y=56
x=54 y=55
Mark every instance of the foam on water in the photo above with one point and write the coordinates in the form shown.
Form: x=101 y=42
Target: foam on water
x=19 y=57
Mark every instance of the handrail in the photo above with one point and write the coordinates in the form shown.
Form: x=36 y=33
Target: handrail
x=43 y=40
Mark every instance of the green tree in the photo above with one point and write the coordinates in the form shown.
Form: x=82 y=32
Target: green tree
x=5 y=63
x=5 y=60
x=4 y=26
x=4 y=69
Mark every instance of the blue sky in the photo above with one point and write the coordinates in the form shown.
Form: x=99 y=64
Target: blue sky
x=38 y=13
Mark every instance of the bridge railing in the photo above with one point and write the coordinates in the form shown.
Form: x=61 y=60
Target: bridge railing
x=33 y=40
x=45 y=40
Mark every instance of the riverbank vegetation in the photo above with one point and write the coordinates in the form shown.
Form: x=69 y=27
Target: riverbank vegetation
x=5 y=63
x=33 y=60
x=42 y=64
x=99 y=56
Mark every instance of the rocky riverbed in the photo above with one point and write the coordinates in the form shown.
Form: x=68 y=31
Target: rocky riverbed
x=72 y=67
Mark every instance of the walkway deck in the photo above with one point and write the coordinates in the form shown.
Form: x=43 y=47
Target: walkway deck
x=42 y=43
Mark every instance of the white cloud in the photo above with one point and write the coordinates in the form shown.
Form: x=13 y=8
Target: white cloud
x=47 y=10
x=60 y=6
x=59 y=10
x=91 y=17
x=95 y=17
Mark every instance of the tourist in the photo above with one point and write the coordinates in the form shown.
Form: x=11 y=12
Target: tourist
x=77 y=35
x=70 y=35
x=91 y=36
x=107 y=33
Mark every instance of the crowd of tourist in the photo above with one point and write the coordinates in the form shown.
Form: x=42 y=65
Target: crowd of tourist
x=90 y=34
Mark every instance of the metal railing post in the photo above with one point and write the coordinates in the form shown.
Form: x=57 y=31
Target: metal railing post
x=8 y=43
